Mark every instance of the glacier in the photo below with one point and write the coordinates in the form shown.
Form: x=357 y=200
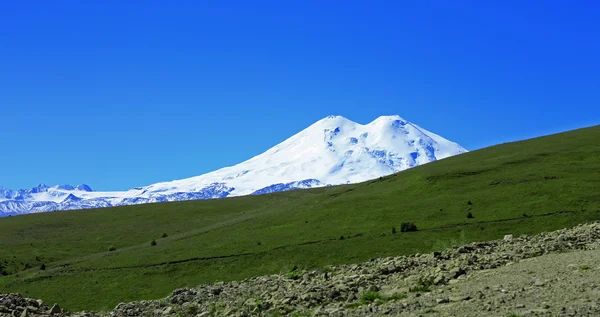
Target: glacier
x=332 y=151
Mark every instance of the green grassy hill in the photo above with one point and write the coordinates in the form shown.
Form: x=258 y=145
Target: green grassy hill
x=523 y=187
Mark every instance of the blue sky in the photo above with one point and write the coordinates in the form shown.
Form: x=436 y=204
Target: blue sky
x=118 y=94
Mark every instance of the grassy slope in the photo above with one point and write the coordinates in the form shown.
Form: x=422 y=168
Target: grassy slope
x=219 y=239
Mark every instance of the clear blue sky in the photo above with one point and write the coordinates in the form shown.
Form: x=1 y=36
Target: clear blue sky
x=118 y=94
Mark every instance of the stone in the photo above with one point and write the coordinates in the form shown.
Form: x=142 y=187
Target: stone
x=539 y=283
x=508 y=237
x=55 y=309
x=459 y=298
x=442 y=300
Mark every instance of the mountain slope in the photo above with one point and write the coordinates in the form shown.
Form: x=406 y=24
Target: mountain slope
x=332 y=151
x=526 y=187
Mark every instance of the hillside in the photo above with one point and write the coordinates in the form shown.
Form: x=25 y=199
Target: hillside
x=524 y=187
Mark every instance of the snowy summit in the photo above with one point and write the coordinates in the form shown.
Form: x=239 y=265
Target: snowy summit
x=332 y=151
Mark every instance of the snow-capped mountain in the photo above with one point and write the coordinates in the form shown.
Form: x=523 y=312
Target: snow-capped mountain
x=332 y=151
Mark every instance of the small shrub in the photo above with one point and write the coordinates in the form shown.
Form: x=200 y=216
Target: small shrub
x=422 y=286
x=258 y=243
x=397 y=296
x=259 y=304
x=469 y=203
x=43 y=267
x=342 y=238
x=393 y=230
x=164 y=235
x=294 y=274
x=470 y=215
x=370 y=297
x=584 y=268
x=192 y=310
x=408 y=226
x=112 y=248
x=153 y=242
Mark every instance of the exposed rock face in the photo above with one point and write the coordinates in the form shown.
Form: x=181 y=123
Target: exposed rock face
x=551 y=274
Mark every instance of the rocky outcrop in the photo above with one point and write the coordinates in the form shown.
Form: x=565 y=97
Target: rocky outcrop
x=453 y=281
x=16 y=305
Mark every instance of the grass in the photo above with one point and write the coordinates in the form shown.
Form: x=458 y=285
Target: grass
x=552 y=179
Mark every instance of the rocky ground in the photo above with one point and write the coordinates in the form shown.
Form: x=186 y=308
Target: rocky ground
x=551 y=274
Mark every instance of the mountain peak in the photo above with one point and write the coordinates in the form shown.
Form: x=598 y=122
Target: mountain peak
x=334 y=120
x=64 y=187
x=84 y=188
x=389 y=118
x=39 y=188
x=331 y=151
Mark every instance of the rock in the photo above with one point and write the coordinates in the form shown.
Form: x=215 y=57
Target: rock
x=508 y=237
x=442 y=300
x=55 y=309
x=24 y=313
x=539 y=283
x=439 y=279
x=459 y=298
x=454 y=273
x=168 y=310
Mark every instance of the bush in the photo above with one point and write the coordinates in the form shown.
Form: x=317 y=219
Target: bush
x=153 y=242
x=393 y=230
x=408 y=226
x=470 y=215
x=192 y=310
x=423 y=285
x=112 y=248
x=370 y=297
x=469 y=203
x=164 y=235
x=294 y=274
x=43 y=267
x=342 y=238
